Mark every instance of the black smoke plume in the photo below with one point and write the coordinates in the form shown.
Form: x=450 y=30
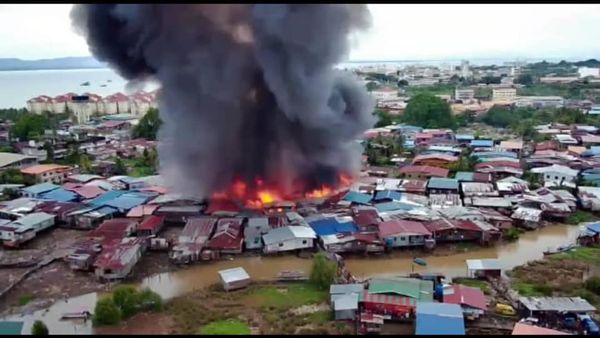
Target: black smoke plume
x=247 y=91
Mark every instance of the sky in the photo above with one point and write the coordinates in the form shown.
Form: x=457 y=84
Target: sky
x=399 y=32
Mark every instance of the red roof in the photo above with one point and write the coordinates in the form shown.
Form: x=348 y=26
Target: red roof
x=156 y=188
x=438 y=225
x=482 y=177
x=117 y=97
x=87 y=191
x=465 y=225
x=465 y=295
x=424 y=169
x=228 y=234
x=496 y=164
x=397 y=226
x=57 y=208
x=414 y=185
x=443 y=157
x=388 y=299
x=198 y=226
x=423 y=135
x=114 y=228
x=366 y=217
x=222 y=205
x=115 y=256
x=546 y=145
x=152 y=223
x=142 y=210
x=532 y=330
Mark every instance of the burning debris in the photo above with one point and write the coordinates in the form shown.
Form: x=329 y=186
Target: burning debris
x=251 y=104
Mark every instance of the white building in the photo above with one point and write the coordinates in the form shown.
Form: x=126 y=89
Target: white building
x=504 y=94
x=464 y=69
x=40 y=104
x=385 y=94
x=464 y=94
x=557 y=175
x=289 y=238
x=588 y=71
x=540 y=101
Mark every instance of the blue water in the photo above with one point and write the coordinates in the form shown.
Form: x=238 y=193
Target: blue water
x=16 y=87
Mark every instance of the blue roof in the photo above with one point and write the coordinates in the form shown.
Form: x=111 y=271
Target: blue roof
x=357 y=197
x=495 y=154
x=442 y=183
x=59 y=195
x=40 y=188
x=439 y=319
x=105 y=211
x=482 y=143
x=465 y=176
x=106 y=197
x=330 y=226
x=391 y=206
x=595 y=227
x=593 y=151
x=127 y=201
x=464 y=137
x=409 y=144
x=387 y=194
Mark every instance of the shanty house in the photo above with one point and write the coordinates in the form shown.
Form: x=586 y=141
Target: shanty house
x=402 y=233
x=83 y=254
x=25 y=228
x=256 y=227
x=557 y=175
x=422 y=171
x=59 y=209
x=89 y=218
x=192 y=239
x=117 y=260
x=390 y=306
x=344 y=300
x=366 y=218
x=150 y=226
x=589 y=197
x=484 y=267
x=34 y=191
x=439 y=319
x=289 y=238
x=535 y=306
x=355 y=243
x=228 y=236
x=357 y=198
x=482 y=143
x=527 y=217
x=439 y=185
x=478 y=189
x=233 y=279
x=471 y=300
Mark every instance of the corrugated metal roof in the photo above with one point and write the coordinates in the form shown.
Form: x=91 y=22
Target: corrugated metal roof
x=335 y=289
x=128 y=201
x=356 y=197
x=439 y=319
x=40 y=188
x=482 y=143
x=484 y=264
x=465 y=295
x=106 y=197
x=59 y=195
x=330 y=226
x=532 y=330
x=151 y=223
x=391 y=206
x=410 y=287
x=234 y=275
x=287 y=233
x=442 y=183
x=345 y=302
x=464 y=176
x=387 y=194
x=567 y=304
x=398 y=227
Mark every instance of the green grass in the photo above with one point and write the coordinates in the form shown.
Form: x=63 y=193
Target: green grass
x=320 y=317
x=532 y=290
x=226 y=327
x=289 y=296
x=439 y=89
x=23 y=300
x=581 y=216
x=583 y=254
x=474 y=283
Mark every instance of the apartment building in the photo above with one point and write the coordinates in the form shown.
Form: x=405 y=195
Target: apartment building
x=504 y=94
x=464 y=94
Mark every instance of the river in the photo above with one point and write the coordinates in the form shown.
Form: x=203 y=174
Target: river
x=530 y=246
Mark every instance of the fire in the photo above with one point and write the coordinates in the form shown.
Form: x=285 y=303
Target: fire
x=261 y=194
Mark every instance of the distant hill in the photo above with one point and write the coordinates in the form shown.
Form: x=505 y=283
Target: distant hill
x=58 y=63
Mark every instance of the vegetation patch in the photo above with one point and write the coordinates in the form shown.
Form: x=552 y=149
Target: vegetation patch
x=25 y=299
x=226 y=327
x=589 y=255
x=295 y=296
x=581 y=216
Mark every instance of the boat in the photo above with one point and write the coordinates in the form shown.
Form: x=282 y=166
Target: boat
x=86 y=83
x=560 y=249
x=76 y=315
x=103 y=85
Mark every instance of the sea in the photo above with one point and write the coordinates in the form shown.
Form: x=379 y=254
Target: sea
x=16 y=87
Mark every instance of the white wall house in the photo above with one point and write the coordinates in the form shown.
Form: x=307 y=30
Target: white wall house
x=588 y=71
x=557 y=175
x=289 y=238
x=504 y=94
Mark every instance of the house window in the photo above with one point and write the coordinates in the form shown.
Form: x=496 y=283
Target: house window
x=304 y=241
x=280 y=245
x=256 y=240
x=402 y=238
x=556 y=177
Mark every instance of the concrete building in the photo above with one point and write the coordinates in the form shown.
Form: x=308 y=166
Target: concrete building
x=83 y=108
x=385 y=94
x=559 y=79
x=504 y=94
x=40 y=104
x=48 y=173
x=588 y=72
x=540 y=101
x=465 y=70
x=16 y=161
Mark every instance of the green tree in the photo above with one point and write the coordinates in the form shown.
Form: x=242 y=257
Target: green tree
x=372 y=85
x=106 y=312
x=12 y=176
x=49 y=151
x=148 y=126
x=85 y=164
x=383 y=118
x=120 y=168
x=150 y=300
x=323 y=272
x=39 y=328
x=74 y=155
x=429 y=111
x=525 y=79
x=126 y=299
x=402 y=83
x=28 y=126
x=9 y=194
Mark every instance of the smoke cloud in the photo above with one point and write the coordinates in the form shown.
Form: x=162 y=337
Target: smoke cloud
x=247 y=91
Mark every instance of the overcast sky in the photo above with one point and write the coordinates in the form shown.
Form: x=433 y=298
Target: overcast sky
x=399 y=32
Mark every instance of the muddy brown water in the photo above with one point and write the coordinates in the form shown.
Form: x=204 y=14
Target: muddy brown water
x=530 y=246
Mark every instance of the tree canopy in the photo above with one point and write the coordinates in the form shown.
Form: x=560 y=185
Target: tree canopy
x=39 y=328
x=429 y=111
x=323 y=272
x=148 y=126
